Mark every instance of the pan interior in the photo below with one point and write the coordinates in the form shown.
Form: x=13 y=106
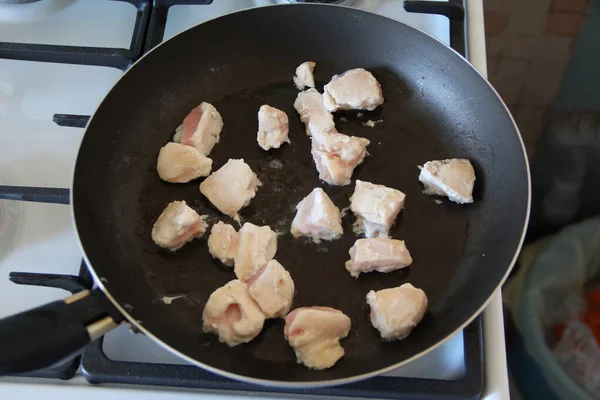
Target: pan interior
x=436 y=107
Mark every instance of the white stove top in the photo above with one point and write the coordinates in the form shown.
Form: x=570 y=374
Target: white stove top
x=37 y=152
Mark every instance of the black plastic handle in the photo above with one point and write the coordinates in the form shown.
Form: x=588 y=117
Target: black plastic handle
x=43 y=336
x=35 y=194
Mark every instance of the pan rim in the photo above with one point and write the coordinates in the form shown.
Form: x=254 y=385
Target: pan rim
x=321 y=383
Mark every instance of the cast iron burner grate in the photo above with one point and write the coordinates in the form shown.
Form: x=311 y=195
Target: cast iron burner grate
x=96 y=366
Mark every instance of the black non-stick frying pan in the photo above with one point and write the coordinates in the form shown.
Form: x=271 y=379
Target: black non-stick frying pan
x=436 y=106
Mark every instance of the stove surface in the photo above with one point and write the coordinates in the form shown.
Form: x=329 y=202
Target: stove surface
x=37 y=237
x=446 y=362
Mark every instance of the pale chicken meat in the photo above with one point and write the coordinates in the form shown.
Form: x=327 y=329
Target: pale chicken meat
x=257 y=246
x=336 y=155
x=177 y=225
x=314 y=115
x=314 y=333
x=232 y=314
x=231 y=187
x=395 y=312
x=223 y=242
x=452 y=178
x=304 y=75
x=375 y=207
x=273 y=128
x=355 y=89
x=273 y=289
x=201 y=128
x=180 y=164
x=317 y=217
x=377 y=254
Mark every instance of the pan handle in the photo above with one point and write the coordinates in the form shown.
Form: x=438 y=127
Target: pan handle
x=43 y=336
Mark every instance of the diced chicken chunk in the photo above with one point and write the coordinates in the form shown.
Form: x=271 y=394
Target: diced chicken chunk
x=377 y=254
x=231 y=187
x=313 y=113
x=201 y=128
x=314 y=333
x=273 y=289
x=453 y=178
x=257 y=246
x=317 y=217
x=395 y=312
x=355 y=89
x=336 y=155
x=177 y=225
x=180 y=164
x=304 y=75
x=232 y=314
x=375 y=207
x=223 y=243
x=272 y=128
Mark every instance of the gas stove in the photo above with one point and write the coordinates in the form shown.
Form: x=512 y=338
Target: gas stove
x=56 y=64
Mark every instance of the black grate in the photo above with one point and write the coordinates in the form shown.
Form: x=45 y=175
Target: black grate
x=96 y=366
x=158 y=19
x=79 y=55
x=35 y=194
x=454 y=10
x=71 y=120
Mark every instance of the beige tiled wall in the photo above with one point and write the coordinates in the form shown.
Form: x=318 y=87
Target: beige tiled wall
x=529 y=44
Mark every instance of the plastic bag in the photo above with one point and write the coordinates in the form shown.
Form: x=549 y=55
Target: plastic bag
x=578 y=354
x=551 y=291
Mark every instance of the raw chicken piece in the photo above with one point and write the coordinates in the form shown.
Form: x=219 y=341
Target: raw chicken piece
x=377 y=254
x=453 y=178
x=201 y=128
x=317 y=119
x=304 y=75
x=336 y=155
x=272 y=128
x=223 y=242
x=273 y=289
x=177 y=225
x=180 y=164
x=395 y=312
x=231 y=187
x=257 y=246
x=355 y=89
x=314 y=333
x=232 y=314
x=317 y=217
x=375 y=208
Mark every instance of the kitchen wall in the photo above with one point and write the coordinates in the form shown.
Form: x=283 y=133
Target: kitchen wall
x=580 y=88
x=529 y=45
x=566 y=169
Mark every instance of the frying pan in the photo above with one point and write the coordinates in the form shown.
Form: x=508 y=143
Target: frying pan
x=436 y=106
